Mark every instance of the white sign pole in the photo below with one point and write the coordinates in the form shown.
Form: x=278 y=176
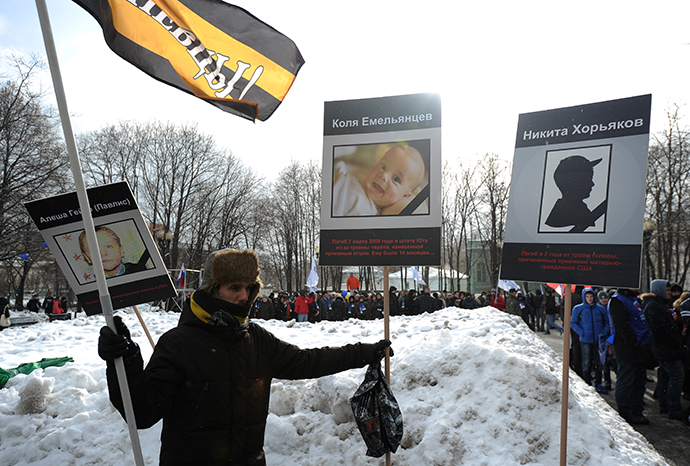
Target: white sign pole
x=566 y=372
x=89 y=228
x=387 y=334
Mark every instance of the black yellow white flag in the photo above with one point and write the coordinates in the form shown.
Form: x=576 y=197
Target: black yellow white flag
x=216 y=51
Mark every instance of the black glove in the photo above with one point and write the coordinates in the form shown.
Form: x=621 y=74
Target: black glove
x=113 y=345
x=379 y=350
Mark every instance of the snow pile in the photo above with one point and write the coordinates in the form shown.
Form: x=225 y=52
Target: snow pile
x=475 y=387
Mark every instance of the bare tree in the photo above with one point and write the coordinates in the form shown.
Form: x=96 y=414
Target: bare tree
x=33 y=164
x=179 y=161
x=295 y=199
x=225 y=211
x=668 y=199
x=114 y=153
x=493 y=201
x=459 y=206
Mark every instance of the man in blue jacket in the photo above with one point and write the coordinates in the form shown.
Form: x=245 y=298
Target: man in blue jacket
x=590 y=321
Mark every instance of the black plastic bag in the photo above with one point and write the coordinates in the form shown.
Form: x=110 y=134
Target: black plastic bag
x=377 y=413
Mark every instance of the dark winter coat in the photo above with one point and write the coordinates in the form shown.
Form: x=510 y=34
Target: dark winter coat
x=48 y=305
x=314 y=313
x=353 y=311
x=324 y=310
x=537 y=301
x=438 y=303
x=33 y=305
x=629 y=322
x=281 y=310
x=550 y=306
x=394 y=304
x=339 y=309
x=378 y=308
x=211 y=386
x=512 y=305
x=266 y=310
x=411 y=305
x=470 y=303
x=667 y=341
x=425 y=303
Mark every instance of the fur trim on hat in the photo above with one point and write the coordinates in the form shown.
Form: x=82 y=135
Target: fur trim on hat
x=232 y=266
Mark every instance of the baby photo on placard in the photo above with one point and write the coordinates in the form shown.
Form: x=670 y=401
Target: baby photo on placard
x=381 y=179
x=575 y=190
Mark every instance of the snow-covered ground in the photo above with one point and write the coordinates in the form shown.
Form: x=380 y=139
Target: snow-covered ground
x=475 y=388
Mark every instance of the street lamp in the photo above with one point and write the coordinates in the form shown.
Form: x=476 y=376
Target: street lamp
x=164 y=237
x=647 y=230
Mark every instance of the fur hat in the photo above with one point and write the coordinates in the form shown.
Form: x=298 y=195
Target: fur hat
x=233 y=266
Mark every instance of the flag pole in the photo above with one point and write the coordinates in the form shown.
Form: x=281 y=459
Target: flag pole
x=566 y=371
x=143 y=324
x=387 y=334
x=89 y=228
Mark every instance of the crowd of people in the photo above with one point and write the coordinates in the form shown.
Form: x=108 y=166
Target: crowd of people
x=612 y=331
x=621 y=331
x=50 y=304
x=625 y=332
x=353 y=303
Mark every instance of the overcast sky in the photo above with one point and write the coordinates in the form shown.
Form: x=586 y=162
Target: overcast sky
x=490 y=61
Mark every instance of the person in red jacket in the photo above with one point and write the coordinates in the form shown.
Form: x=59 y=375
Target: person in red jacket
x=352 y=282
x=302 y=307
x=499 y=302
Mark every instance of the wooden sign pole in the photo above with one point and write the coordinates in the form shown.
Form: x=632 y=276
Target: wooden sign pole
x=387 y=334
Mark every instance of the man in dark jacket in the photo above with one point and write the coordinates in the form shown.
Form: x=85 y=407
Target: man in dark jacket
x=667 y=344
x=539 y=318
x=394 y=305
x=425 y=303
x=48 y=303
x=209 y=378
x=266 y=310
x=339 y=309
x=438 y=302
x=34 y=304
x=324 y=303
x=551 y=309
x=512 y=304
x=631 y=346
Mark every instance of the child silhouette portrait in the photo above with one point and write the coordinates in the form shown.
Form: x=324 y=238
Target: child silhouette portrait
x=574 y=177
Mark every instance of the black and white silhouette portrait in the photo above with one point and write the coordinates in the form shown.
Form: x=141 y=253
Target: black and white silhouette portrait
x=575 y=190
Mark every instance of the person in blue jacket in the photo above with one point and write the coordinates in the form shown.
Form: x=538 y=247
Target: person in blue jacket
x=590 y=321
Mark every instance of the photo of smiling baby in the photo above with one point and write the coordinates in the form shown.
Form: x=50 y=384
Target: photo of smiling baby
x=380 y=179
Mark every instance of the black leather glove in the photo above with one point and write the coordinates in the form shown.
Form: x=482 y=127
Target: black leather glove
x=379 y=350
x=113 y=345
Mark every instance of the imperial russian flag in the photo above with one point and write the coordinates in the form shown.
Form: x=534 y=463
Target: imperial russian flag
x=181 y=277
x=211 y=49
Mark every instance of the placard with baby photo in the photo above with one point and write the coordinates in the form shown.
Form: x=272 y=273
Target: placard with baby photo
x=381 y=181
